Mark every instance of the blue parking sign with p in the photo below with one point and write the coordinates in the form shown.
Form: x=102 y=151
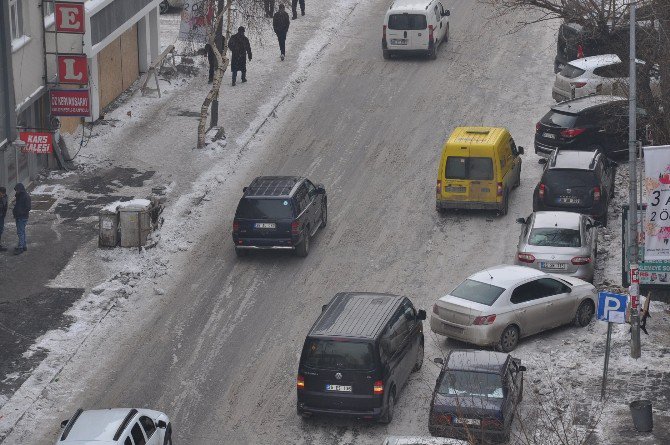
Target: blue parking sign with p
x=612 y=307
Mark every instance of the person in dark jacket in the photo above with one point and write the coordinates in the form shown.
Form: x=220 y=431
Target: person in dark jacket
x=269 y=7
x=239 y=47
x=213 y=63
x=280 y=23
x=3 y=213
x=294 y=7
x=21 y=211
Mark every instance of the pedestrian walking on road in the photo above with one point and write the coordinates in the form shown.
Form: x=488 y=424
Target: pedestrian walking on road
x=21 y=211
x=213 y=63
x=280 y=23
x=294 y=6
x=269 y=7
x=239 y=47
x=3 y=212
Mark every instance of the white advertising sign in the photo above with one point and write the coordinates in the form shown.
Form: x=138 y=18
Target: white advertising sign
x=657 y=216
x=196 y=20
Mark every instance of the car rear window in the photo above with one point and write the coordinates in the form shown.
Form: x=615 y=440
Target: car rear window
x=555 y=237
x=471 y=384
x=558 y=119
x=571 y=72
x=264 y=209
x=469 y=168
x=407 y=22
x=341 y=355
x=559 y=179
x=478 y=292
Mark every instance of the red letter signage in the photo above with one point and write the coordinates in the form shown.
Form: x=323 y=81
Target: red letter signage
x=72 y=68
x=70 y=103
x=69 y=17
x=39 y=143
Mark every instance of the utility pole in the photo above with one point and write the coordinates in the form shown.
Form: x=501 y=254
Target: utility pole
x=218 y=39
x=633 y=247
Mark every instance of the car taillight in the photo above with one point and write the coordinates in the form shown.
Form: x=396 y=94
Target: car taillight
x=488 y=423
x=538 y=127
x=430 y=33
x=294 y=227
x=484 y=320
x=596 y=193
x=435 y=309
x=525 y=257
x=580 y=51
x=581 y=260
x=578 y=84
x=541 y=190
x=572 y=132
x=236 y=226
x=378 y=387
x=384 y=33
x=499 y=190
x=438 y=187
x=301 y=382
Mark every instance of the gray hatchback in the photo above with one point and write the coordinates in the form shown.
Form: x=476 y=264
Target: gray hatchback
x=558 y=243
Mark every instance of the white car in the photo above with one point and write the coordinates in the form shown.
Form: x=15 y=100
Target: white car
x=604 y=74
x=119 y=426
x=415 y=26
x=501 y=304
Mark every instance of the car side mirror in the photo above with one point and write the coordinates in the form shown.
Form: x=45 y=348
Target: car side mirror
x=520 y=150
x=161 y=424
x=244 y=189
x=421 y=315
x=522 y=368
x=446 y=13
x=320 y=189
x=521 y=220
x=438 y=361
x=542 y=161
x=323 y=308
x=63 y=424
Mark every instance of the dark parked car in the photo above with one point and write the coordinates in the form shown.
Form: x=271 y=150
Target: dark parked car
x=576 y=181
x=588 y=123
x=476 y=395
x=279 y=212
x=358 y=356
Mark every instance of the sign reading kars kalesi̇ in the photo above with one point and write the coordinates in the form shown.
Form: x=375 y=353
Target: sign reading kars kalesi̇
x=70 y=103
x=36 y=142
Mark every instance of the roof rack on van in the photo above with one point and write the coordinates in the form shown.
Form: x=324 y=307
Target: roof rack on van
x=477 y=131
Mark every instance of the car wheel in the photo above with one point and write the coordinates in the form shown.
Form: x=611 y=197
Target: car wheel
x=505 y=206
x=386 y=54
x=521 y=390
x=163 y=7
x=509 y=339
x=390 y=408
x=240 y=252
x=432 y=53
x=518 y=180
x=302 y=249
x=168 y=435
x=446 y=35
x=584 y=314
x=419 y=358
x=324 y=215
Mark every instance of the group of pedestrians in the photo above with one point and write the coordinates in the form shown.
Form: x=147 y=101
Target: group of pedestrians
x=239 y=45
x=20 y=212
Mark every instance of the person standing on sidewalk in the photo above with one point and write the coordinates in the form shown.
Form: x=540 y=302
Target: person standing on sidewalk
x=3 y=212
x=294 y=7
x=21 y=211
x=280 y=23
x=213 y=63
x=269 y=7
x=239 y=47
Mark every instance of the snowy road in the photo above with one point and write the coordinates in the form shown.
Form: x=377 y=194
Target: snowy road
x=219 y=351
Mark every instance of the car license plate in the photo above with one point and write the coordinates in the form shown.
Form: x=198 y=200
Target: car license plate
x=340 y=388
x=549 y=265
x=568 y=200
x=454 y=189
x=398 y=41
x=265 y=225
x=467 y=421
x=549 y=135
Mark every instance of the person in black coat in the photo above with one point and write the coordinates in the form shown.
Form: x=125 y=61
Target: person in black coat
x=213 y=63
x=3 y=212
x=239 y=48
x=21 y=211
x=294 y=7
x=281 y=23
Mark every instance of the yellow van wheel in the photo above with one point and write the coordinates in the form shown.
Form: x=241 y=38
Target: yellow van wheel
x=505 y=206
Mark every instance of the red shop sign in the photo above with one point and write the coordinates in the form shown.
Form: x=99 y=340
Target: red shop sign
x=39 y=143
x=72 y=68
x=70 y=17
x=70 y=103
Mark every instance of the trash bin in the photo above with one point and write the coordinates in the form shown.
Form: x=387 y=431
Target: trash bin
x=108 y=227
x=135 y=222
x=642 y=417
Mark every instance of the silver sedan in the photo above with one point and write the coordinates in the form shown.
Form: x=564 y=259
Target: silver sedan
x=499 y=305
x=558 y=242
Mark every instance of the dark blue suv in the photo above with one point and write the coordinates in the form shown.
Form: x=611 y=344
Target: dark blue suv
x=279 y=213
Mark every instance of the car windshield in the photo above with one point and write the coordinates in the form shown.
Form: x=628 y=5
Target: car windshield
x=341 y=355
x=469 y=168
x=264 y=209
x=557 y=119
x=478 y=292
x=561 y=179
x=471 y=384
x=555 y=237
x=571 y=72
x=407 y=22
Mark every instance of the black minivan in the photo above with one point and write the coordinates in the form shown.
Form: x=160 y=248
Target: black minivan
x=359 y=354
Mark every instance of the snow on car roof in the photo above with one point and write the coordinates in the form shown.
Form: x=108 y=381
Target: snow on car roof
x=505 y=275
x=97 y=425
x=591 y=62
x=564 y=220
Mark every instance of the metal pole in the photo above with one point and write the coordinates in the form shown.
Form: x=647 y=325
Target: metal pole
x=634 y=289
x=603 y=388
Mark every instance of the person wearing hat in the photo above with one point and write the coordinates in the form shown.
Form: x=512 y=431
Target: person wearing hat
x=280 y=23
x=3 y=213
x=21 y=211
x=239 y=47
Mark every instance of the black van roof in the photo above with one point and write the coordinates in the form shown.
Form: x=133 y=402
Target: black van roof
x=356 y=315
x=272 y=186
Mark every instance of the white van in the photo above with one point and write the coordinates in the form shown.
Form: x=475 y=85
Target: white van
x=415 y=26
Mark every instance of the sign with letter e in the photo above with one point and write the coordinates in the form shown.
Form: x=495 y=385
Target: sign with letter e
x=612 y=307
x=70 y=17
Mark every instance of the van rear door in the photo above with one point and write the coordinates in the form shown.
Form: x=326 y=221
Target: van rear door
x=470 y=178
x=264 y=218
x=407 y=31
